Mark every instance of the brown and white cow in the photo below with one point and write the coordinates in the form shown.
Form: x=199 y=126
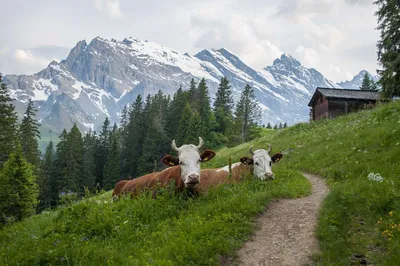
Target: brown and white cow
x=184 y=170
x=259 y=166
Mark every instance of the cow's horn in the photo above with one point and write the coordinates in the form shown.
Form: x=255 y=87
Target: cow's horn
x=269 y=147
x=173 y=146
x=201 y=142
x=251 y=150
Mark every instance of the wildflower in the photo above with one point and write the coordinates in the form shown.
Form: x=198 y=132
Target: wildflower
x=375 y=177
x=391 y=213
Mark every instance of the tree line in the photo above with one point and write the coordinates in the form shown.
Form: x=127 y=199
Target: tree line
x=92 y=161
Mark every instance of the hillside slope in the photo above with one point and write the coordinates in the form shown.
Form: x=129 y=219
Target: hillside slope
x=359 y=221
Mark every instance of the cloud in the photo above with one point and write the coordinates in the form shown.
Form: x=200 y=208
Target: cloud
x=236 y=33
x=361 y=2
x=309 y=56
x=110 y=6
x=21 y=61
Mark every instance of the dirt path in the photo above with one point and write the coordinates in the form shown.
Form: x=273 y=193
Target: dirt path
x=286 y=234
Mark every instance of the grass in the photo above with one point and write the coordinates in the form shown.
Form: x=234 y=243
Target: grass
x=359 y=219
x=169 y=230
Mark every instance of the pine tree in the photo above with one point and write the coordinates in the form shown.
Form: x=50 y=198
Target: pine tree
x=193 y=95
x=112 y=168
x=28 y=134
x=389 y=46
x=280 y=125
x=174 y=113
x=366 y=83
x=74 y=161
x=102 y=146
x=184 y=124
x=248 y=113
x=8 y=124
x=276 y=126
x=47 y=176
x=60 y=168
x=223 y=107
x=269 y=125
x=195 y=126
x=18 y=188
x=285 y=125
x=206 y=115
x=132 y=141
x=89 y=161
x=156 y=137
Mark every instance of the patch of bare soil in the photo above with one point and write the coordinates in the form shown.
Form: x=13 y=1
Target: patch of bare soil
x=286 y=231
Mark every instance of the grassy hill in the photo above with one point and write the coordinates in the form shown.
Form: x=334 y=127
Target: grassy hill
x=360 y=219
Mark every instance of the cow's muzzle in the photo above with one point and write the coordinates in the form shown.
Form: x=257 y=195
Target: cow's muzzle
x=269 y=175
x=193 y=179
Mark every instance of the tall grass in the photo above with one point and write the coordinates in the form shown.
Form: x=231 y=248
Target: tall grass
x=169 y=230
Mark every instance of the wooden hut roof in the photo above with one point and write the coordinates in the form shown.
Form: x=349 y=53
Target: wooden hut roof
x=345 y=94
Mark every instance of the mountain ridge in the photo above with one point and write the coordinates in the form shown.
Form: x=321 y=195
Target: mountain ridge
x=100 y=77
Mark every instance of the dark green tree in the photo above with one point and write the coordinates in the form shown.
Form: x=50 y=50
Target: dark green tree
x=46 y=178
x=184 y=124
x=29 y=134
x=60 y=181
x=74 y=161
x=205 y=112
x=156 y=137
x=285 y=125
x=89 y=162
x=174 y=113
x=194 y=129
x=132 y=141
x=102 y=146
x=223 y=106
x=389 y=46
x=193 y=95
x=368 y=83
x=269 y=125
x=112 y=169
x=8 y=124
x=276 y=126
x=248 y=113
x=18 y=188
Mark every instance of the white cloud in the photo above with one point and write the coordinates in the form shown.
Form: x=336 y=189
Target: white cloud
x=236 y=33
x=21 y=61
x=309 y=56
x=110 y=6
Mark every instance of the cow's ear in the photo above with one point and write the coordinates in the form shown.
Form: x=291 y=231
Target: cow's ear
x=170 y=160
x=207 y=155
x=246 y=160
x=276 y=157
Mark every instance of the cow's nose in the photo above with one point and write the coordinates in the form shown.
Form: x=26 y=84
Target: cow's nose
x=269 y=175
x=194 y=178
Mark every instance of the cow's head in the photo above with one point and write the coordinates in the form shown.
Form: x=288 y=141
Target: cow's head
x=262 y=162
x=189 y=159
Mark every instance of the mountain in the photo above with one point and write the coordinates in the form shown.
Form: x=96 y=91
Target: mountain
x=97 y=79
x=356 y=81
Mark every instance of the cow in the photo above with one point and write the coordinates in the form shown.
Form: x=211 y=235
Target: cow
x=260 y=166
x=184 y=170
x=118 y=187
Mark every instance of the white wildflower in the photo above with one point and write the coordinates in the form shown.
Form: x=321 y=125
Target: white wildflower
x=375 y=177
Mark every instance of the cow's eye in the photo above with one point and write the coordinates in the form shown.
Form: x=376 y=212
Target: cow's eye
x=200 y=161
x=181 y=163
x=257 y=163
x=270 y=163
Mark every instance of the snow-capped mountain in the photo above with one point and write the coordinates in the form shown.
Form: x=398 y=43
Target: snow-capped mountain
x=97 y=79
x=356 y=81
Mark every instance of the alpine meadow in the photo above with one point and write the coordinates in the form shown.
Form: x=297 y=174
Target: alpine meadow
x=232 y=148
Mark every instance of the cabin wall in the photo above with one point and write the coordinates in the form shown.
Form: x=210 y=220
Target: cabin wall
x=320 y=110
x=342 y=107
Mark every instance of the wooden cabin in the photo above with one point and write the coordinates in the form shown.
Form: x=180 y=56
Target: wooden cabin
x=332 y=102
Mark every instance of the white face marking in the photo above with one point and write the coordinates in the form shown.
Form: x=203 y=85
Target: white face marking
x=226 y=168
x=189 y=161
x=262 y=164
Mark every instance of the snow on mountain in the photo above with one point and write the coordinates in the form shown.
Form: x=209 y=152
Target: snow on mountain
x=97 y=79
x=356 y=81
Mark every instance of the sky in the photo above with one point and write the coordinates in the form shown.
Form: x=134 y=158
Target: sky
x=336 y=37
